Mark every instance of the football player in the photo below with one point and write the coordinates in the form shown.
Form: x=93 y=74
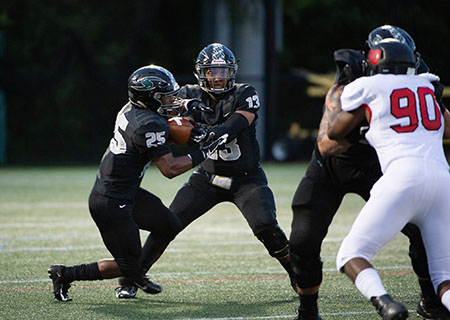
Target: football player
x=406 y=130
x=117 y=204
x=336 y=168
x=233 y=172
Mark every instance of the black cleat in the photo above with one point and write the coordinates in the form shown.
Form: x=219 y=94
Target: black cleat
x=432 y=308
x=389 y=309
x=303 y=314
x=147 y=286
x=126 y=292
x=60 y=285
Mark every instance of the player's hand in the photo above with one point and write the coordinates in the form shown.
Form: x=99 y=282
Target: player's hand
x=212 y=147
x=350 y=65
x=198 y=134
x=193 y=105
x=358 y=134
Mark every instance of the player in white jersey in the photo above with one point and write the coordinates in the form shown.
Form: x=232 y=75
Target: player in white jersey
x=406 y=130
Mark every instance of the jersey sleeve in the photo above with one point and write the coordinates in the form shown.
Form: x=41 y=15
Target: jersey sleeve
x=151 y=138
x=353 y=96
x=247 y=99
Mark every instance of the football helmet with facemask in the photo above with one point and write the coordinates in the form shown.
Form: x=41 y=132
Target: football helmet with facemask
x=154 y=87
x=215 y=68
x=389 y=31
x=391 y=56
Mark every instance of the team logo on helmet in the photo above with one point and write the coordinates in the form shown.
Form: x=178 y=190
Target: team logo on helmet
x=374 y=56
x=218 y=54
x=144 y=84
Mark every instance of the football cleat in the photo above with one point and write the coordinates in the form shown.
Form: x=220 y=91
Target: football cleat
x=432 y=308
x=126 y=292
x=389 y=309
x=60 y=285
x=303 y=314
x=147 y=286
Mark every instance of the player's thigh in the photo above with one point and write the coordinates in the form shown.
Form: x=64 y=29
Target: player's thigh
x=194 y=199
x=436 y=236
x=382 y=217
x=152 y=215
x=255 y=200
x=119 y=231
x=314 y=206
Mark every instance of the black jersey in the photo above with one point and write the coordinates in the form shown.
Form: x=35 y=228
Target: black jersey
x=140 y=136
x=240 y=155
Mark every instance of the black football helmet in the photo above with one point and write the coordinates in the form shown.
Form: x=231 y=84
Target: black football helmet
x=387 y=31
x=215 y=68
x=151 y=86
x=391 y=56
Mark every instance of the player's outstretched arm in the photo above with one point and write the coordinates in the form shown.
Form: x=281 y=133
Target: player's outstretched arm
x=171 y=166
x=331 y=108
x=344 y=122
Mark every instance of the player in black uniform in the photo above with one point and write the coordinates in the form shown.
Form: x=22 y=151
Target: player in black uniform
x=117 y=204
x=338 y=168
x=233 y=172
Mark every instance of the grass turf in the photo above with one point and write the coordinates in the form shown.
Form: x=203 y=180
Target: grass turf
x=215 y=269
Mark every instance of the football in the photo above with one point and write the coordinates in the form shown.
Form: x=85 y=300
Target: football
x=179 y=130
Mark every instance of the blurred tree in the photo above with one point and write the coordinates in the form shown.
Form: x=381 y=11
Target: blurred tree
x=67 y=67
x=67 y=61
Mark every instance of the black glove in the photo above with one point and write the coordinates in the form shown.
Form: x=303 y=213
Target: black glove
x=209 y=148
x=193 y=105
x=198 y=134
x=350 y=65
x=358 y=134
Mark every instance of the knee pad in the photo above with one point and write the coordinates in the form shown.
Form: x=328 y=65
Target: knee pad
x=307 y=271
x=275 y=242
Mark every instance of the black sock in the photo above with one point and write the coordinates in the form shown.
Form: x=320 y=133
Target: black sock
x=427 y=288
x=82 y=272
x=308 y=301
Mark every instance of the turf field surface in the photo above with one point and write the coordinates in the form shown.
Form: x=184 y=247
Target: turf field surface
x=215 y=269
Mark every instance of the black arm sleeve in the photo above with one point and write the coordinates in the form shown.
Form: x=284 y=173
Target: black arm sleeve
x=234 y=125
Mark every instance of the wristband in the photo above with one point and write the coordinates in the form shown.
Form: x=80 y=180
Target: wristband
x=196 y=157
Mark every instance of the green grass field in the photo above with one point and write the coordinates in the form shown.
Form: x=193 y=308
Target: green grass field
x=215 y=269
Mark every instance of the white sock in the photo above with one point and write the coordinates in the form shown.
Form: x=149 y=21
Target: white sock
x=368 y=282
x=446 y=299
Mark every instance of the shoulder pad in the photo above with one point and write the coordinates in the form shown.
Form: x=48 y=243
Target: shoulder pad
x=245 y=87
x=150 y=120
x=350 y=65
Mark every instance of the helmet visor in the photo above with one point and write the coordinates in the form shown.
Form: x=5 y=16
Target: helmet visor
x=218 y=78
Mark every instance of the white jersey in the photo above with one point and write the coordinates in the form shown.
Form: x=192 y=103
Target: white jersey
x=405 y=117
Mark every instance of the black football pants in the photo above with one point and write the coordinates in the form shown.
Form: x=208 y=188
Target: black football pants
x=119 y=222
x=316 y=200
x=250 y=193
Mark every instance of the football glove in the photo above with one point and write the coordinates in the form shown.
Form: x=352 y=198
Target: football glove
x=349 y=65
x=358 y=134
x=198 y=133
x=209 y=148
x=194 y=105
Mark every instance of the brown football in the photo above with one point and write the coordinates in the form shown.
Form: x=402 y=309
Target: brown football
x=179 y=130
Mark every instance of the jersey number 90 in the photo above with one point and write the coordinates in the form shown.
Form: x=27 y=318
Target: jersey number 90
x=429 y=111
